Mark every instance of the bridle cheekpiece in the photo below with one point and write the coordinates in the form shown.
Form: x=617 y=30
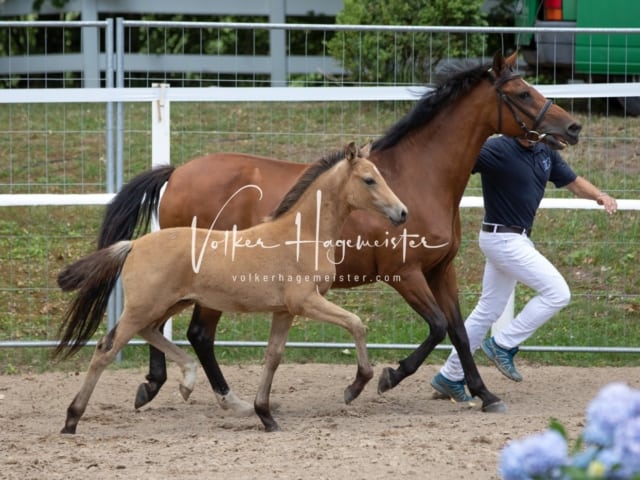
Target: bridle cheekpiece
x=514 y=106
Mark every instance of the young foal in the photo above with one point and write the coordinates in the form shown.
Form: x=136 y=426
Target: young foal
x=289 y=258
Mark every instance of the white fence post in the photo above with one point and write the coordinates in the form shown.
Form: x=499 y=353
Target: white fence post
x=161 y=151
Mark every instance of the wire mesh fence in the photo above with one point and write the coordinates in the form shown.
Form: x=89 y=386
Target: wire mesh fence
x=64 y=147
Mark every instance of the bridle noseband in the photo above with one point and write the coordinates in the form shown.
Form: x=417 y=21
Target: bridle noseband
x=529 y=134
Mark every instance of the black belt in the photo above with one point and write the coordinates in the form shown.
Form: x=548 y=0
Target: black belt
x=497 y=228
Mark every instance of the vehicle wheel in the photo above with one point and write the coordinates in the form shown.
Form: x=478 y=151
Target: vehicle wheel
x=631 y=105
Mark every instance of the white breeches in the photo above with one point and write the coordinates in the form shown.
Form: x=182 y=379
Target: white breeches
x=511 y=258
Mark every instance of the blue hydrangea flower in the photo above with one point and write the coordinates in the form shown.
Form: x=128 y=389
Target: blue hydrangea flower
x=613 y=406
x=542 y=455
x=609 y=461
x=583 y=459
x=626 y=445
x=611 y=450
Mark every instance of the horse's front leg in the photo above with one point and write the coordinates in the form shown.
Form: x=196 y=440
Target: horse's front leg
x=280 y=326
x=316 y=307
x=201 y=335
x=460 y=341
x=415 y=290
x=446 y=293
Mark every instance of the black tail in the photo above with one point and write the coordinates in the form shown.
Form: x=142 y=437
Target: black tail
x=94 y=276
x=133 y=206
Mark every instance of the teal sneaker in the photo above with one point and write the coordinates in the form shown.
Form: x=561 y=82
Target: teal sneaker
x=450 y=389
x=502 y=358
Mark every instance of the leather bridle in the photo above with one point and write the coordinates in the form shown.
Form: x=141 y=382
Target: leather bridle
x=529 y=134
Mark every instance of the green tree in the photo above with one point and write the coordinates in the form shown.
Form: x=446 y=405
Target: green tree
x=407 y=57
x=502 y=14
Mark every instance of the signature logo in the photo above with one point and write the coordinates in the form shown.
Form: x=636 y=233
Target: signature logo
x=335 y=250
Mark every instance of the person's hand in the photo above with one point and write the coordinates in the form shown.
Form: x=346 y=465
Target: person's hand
x=609 y=203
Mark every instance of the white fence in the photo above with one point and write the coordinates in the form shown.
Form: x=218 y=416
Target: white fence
x=90 y=60
x=160 y=136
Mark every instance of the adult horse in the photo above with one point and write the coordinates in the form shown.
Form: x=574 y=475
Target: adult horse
x=166 y=271
x=428 y=156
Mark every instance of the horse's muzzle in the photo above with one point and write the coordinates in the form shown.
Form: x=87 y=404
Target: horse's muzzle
x=398 y=216
x=570 y=136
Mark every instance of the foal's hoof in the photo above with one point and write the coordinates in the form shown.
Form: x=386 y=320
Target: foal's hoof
x=185 y=392
x=495 y=407
x=351 y=393
x=387 y=380
x=68 y=430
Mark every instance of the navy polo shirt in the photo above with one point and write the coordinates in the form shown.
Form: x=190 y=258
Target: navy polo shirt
x=514 y=179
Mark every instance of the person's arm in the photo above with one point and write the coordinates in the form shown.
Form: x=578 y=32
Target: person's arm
x=583 y=188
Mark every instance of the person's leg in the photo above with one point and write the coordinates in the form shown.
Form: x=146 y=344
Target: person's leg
x=497 y=286
x=528 y=266
x=553 y=294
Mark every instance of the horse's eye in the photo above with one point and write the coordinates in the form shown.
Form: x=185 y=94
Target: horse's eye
x=369 y=181
x=524 y=96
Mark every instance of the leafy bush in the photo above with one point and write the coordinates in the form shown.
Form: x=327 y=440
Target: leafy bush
x=388 y=57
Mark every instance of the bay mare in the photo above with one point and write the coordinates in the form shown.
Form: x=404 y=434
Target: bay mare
x=427 y=157
x=166 y=271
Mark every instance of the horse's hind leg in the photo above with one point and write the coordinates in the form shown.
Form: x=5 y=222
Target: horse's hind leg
x=156 y=377
x=201 y=335
x=280 y=326
x=186 y=363
x=104 y=354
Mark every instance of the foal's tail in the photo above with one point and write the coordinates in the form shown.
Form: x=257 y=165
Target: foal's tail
x=94 y=276
x=131 y=209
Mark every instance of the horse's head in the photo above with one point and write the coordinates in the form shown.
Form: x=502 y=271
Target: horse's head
x=368 y=190
x=524 y=112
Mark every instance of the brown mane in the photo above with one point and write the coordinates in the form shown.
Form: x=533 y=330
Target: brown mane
x=310 y=174
x=458 y=84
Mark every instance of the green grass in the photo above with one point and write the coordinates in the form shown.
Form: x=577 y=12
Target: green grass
x=60 y=148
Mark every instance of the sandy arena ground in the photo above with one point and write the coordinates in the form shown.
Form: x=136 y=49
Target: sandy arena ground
x=403 y=434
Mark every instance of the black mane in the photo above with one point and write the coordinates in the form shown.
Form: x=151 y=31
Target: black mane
x=455 y=86
x=310 y=174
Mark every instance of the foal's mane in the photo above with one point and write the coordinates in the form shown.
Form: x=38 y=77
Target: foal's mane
x=314 y=170
x=457 y=84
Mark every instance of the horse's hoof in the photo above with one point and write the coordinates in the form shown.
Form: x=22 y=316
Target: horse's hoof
x=495 y=407
x=185 y=392
x=386 y=381
x=272 y=428
x=351 y=393
x=270 y=425
x=244 y=410
x=68 y=430
x=142 y=395
x=231 y=402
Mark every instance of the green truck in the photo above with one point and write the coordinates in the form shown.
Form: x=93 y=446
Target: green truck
x=593 y=57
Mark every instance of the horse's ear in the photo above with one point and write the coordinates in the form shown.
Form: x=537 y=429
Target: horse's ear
x=498 y=63
x=511 y=59
x=502 y=65
x=351 y=152
x=365 y=150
